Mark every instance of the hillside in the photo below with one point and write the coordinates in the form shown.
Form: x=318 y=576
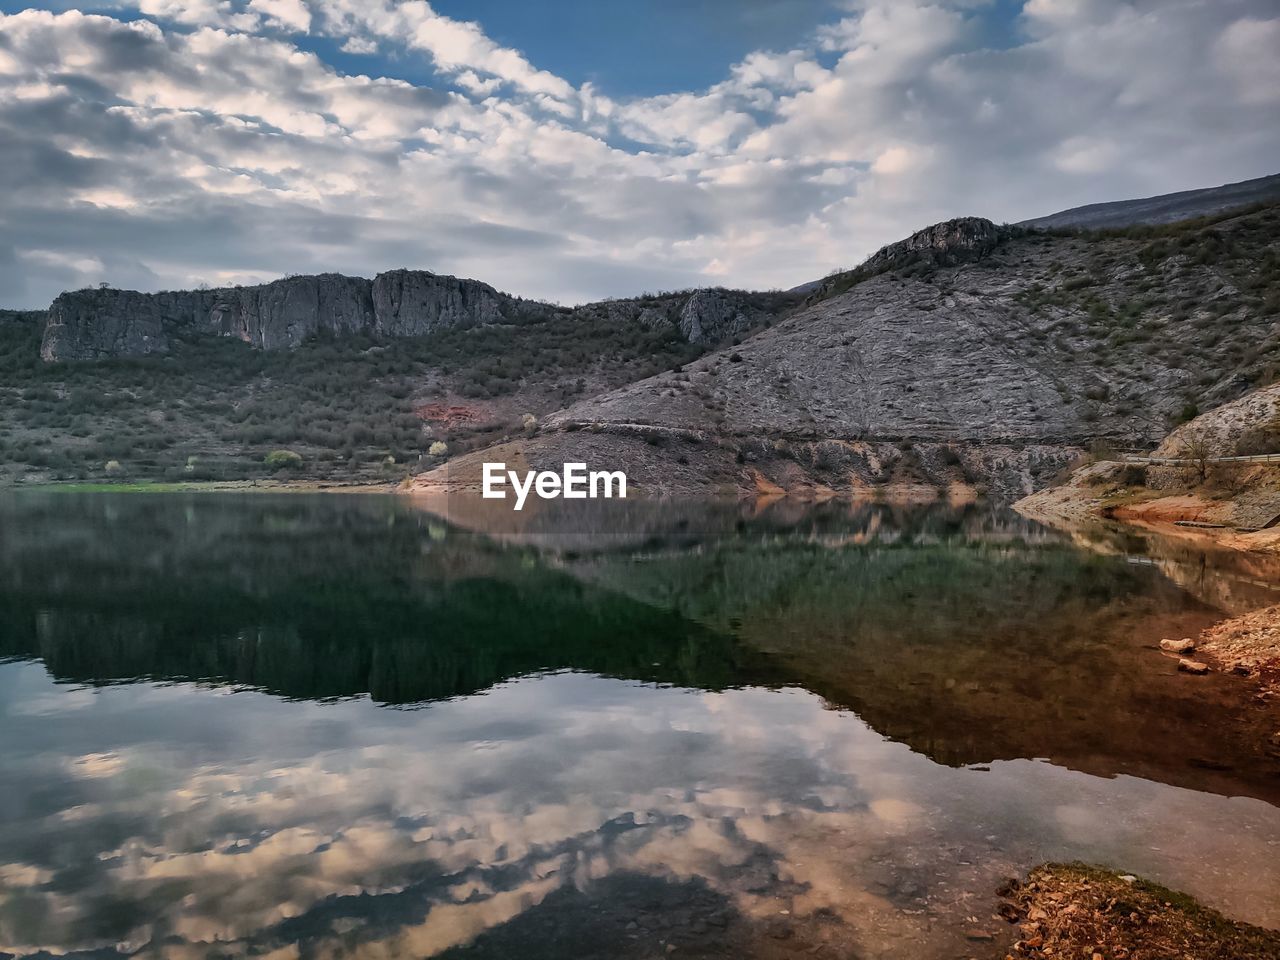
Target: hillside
x=204 y=400
x=1168 y=208
x=969 y=357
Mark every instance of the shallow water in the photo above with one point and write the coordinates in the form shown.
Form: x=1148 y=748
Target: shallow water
x=344 y=726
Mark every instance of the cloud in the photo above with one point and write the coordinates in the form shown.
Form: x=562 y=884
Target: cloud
x=404 y=832
x=199 y=12
x=206 y=142
x=1247 y=51
x=456 y=46
x=289 y=14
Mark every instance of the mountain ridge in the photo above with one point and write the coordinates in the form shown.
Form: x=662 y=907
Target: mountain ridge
x=104 y=323
x=1164 y=208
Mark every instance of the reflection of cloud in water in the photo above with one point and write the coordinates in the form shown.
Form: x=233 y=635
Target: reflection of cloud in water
x=237 y=819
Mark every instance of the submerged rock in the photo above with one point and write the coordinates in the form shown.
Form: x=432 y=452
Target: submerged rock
x=1193 y=666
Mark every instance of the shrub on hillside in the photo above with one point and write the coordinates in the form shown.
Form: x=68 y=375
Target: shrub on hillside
x=282 y=460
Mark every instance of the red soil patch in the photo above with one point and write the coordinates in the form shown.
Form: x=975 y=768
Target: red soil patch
x=446 y=414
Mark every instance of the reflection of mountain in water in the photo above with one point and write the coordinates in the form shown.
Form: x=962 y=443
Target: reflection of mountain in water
x=970 y=635
x=975 y=649
x=1230 y=580
x=319 y=598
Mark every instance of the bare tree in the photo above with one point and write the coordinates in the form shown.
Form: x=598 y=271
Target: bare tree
x=1196 y=448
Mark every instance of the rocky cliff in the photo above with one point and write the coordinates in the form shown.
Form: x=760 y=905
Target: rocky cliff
x=102 y=323
x=940 y=245
x=1245 y=427
x=95 y=324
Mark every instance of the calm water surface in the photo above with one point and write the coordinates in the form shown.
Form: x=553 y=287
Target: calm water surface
x=345 y=726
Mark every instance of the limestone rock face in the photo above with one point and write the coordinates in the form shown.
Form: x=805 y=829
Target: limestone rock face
x=947 y=243
x=712 y=316
x=91 y=324
x=410 y=303
x=1027 y=338
x=282 y=314
x=708 y=317
x=1249 y=425
x=99 y=323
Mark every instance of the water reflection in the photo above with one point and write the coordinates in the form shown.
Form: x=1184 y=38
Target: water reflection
x=616 y=749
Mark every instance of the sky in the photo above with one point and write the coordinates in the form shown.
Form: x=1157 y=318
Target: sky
x=576 y=150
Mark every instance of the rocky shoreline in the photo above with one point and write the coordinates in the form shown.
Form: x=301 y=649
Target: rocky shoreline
x=1075 y=910
x=1248 y=645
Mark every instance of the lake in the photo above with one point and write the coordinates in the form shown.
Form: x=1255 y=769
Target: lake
x=329 y=726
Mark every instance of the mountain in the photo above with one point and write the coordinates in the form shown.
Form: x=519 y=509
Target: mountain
x=1169 y=208
x=103 y=323
x=968 y=356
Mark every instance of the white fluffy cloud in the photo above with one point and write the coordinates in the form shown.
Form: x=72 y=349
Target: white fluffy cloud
x=288 y=14
x=455 y=46
x=202 y=142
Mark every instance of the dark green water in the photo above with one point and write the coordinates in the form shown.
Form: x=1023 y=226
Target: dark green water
x=342 y=726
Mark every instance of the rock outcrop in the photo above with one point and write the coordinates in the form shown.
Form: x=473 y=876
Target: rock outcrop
x=96 y=324
x=282 y=314
x=946 y=244
x=709 y=317
x=89 y=324
x=410 y=303
x=712 y=316
x=1187 y=481
x=1244 y=427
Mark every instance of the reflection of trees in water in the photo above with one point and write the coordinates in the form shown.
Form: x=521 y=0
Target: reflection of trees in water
x=319 y=597
x=478 y=633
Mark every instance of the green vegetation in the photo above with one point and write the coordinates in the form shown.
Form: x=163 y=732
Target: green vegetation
x=282 y=460
x=345 y=596
x=219 y=410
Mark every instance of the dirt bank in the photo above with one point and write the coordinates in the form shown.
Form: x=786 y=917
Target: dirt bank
x=1113 y=491
x=1249 y=644
x=1073 y=910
